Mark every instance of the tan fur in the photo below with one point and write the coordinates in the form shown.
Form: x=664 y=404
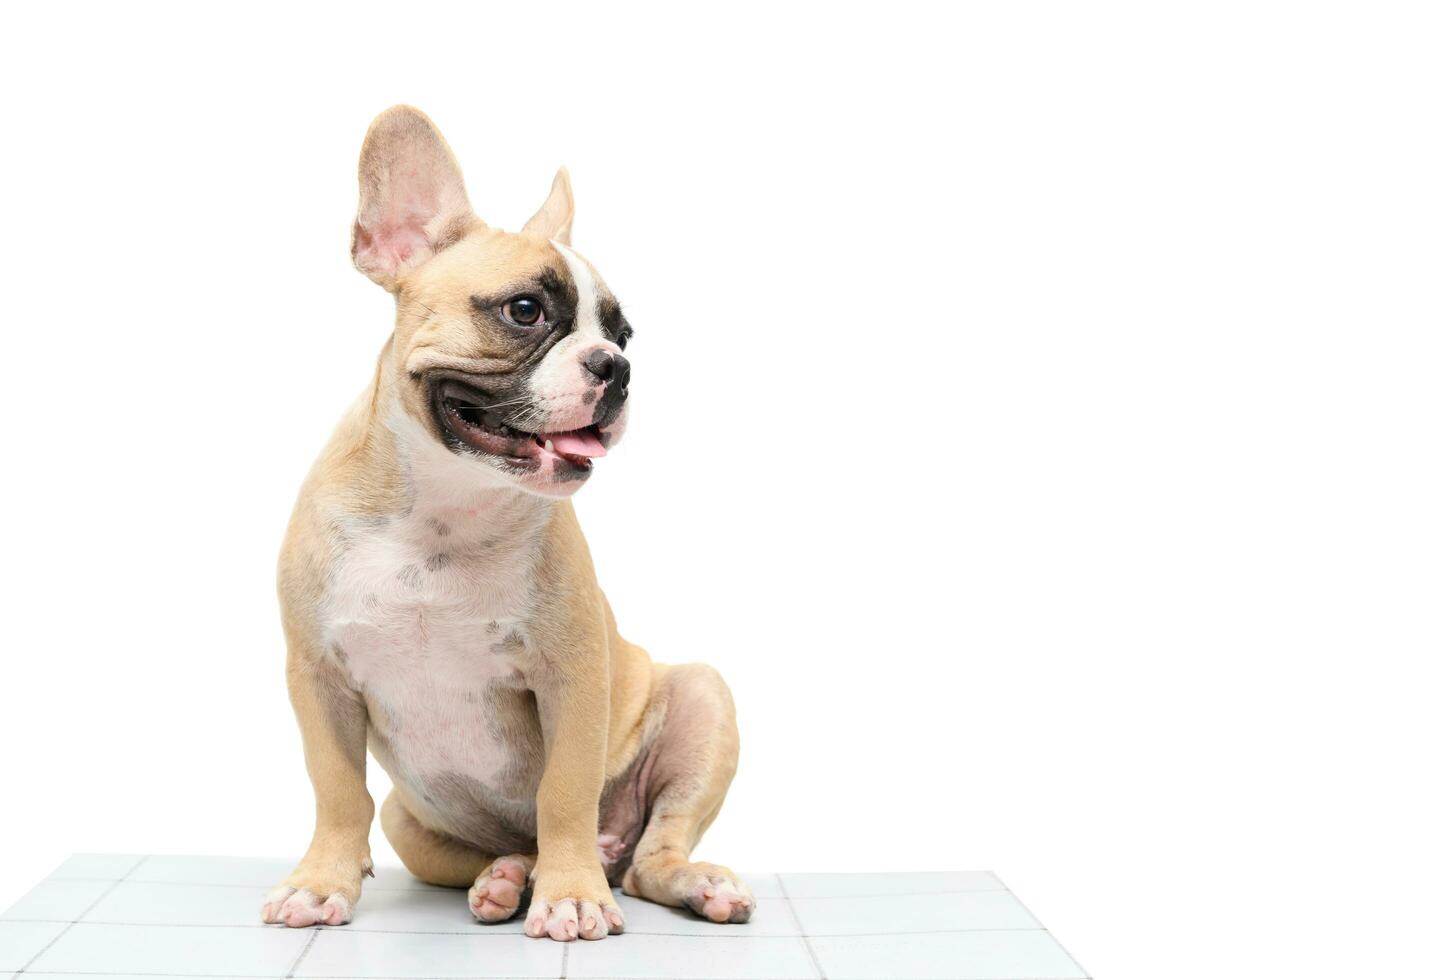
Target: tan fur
x=603 y=707
x=554 y=219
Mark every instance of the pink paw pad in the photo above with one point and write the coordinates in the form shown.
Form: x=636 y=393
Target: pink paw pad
x=299 y=908
x=496 y=895
x=569 y=918
x=720 y=899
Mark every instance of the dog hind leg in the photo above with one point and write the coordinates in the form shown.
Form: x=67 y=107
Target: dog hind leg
x=496 y=884
x=698 y=749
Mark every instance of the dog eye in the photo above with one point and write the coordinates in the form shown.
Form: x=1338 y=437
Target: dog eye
x=525 y=311
x=624 y=338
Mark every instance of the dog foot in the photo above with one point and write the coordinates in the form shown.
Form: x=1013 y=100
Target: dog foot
x=497 y=893
x=320 y=891
x=572 y=901
x=298 y=907
x=717 y=894
x=568 y=918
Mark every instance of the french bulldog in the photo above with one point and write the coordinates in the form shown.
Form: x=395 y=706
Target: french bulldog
x=440 y=604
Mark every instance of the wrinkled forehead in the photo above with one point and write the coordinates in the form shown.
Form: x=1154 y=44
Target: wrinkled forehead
x=496 y=266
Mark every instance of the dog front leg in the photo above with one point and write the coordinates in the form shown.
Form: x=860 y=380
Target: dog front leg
x=333 y=720
x=570 y=894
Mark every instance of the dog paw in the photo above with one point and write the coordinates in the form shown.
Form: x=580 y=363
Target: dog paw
x=319 y=892
x=298 y=907
x=717 y=894
x=563 y=919
x=497 y=893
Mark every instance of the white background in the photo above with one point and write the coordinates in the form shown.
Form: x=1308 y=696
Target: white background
x=1029 y=422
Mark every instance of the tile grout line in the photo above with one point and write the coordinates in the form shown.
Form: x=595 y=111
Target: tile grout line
x=437 y=890
x=303 y=953
x=403 y=976
x=407 y=976
x=236 y=976
x=232 y=884
x=83 y=912
x=150 y=976
x=422 y=891
x=1086 y=974
x=945 y=891
x=127 y=877
x=477 y=932
x=808 y=943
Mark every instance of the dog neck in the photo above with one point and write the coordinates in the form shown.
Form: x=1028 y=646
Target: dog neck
x=446 y=485
x=434 y=484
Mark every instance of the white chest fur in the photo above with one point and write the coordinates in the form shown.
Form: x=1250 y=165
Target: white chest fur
x=426 y=611
x=427 y=614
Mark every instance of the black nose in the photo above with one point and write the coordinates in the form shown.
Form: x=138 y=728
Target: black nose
x=613 y=368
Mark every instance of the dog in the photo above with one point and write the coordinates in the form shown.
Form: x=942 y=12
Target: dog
x=439 y=601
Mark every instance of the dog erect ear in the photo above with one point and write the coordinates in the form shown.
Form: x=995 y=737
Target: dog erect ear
x=411 y=200
x=555 y=217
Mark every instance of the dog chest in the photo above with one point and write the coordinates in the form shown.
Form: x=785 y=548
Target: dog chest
x=427 y=617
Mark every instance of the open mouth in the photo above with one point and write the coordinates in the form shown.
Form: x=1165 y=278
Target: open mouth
x=471 y=418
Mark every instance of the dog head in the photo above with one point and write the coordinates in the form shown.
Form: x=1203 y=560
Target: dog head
x=509 y=347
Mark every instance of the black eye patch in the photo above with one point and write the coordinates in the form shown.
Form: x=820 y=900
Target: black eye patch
x=557 y=295
x=612 y=321
x=561 y=292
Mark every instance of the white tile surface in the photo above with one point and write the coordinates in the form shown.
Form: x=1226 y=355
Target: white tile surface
x=145 y=903
x=252 y=873
x=161 y=950
x=763 y=885
x=341 y=953
x=433 y=910
x=20 y=941
x=910 y=883
x=937 y=912
x=108 y=866
x=772 y=917
x=1019 y=955
x=682 y=957
x=61 y=900
x=248 y=872
x=399 y=879
x=177 y=917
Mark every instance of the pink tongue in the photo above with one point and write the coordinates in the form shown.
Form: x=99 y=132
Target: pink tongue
x=582 y=442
